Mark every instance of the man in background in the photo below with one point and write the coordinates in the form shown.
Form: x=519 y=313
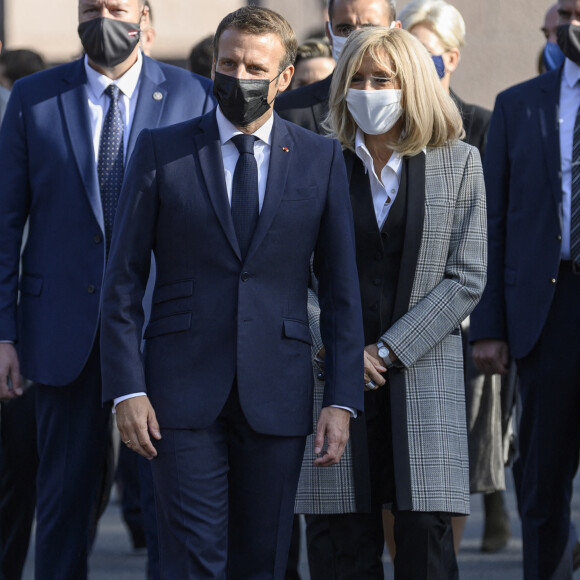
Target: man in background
x=308 y=106
x=64 y=142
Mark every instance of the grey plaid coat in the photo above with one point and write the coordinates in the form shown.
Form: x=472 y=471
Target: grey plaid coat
x=442 y=276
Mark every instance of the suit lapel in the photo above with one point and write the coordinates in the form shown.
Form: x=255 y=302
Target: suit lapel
x=280 y=158
x=212 y=168
x=415 y=179
x=548 y=113
x=150 y=103
x=74 y=102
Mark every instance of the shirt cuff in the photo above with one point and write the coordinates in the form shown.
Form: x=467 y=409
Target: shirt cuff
x=125 y=397
x=352 y=412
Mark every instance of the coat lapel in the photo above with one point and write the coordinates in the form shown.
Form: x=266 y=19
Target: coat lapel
x=548 y=112
x=212 y=168
x=415 y=179
x=74 y=102
x=150 y=103
x=280 y=159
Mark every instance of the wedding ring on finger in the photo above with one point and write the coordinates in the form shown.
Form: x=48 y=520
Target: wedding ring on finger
x=128 y=443
x=371 y=385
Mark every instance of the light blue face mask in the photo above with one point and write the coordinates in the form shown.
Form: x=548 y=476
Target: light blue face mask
x=552 y=56
x=439 y=65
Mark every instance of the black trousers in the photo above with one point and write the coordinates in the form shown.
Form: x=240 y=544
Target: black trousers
x=549 y=435
x=424 y=542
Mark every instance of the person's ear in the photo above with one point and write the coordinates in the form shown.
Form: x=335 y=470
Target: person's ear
x=285 y=78
x=451 y=59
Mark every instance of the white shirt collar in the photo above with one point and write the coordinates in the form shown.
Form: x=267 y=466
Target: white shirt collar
x=227 y=130
x=127 y=83
x=395 y=162
x=571 y=72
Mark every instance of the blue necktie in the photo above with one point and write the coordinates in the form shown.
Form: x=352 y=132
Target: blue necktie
x=110 y=166
x=245 y=205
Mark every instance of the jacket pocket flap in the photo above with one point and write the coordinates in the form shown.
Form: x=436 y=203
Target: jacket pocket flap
x=31 y=285
x=168 y=325
x=182 y=289
x=298 y=330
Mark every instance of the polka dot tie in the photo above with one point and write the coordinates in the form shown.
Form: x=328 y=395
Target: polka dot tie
x=110 y=166
x=245 y=204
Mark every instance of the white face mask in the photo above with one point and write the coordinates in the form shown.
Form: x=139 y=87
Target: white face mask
x=338 y=43
x=375 y=112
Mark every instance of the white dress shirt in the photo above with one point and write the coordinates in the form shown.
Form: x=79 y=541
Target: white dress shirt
x=385 y=189
x=569 y=102
x=99 y=102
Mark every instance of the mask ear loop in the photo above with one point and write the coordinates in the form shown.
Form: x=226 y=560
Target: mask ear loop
x=265 y=99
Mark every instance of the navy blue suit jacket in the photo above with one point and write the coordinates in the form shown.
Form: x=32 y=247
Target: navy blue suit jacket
x=524 y=199
x=215 y=318
x=49 y=177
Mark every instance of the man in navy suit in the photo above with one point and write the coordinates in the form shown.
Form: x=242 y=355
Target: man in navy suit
x=531 y=307
x=51 y=142
x=225 y=389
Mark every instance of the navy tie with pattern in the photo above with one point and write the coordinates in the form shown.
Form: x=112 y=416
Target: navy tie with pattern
x=245 y=204
x=110 y=166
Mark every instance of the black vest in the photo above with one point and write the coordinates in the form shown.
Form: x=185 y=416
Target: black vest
x=378 y=252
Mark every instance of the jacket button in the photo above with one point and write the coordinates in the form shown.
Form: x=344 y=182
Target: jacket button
x=320 y=376
x=245 y=276
x=91 y=289
x=98 y=239
x=553 y=281
x=559 y=238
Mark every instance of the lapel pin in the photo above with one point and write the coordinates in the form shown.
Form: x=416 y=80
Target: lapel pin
x=285 y=149
x=157 y=96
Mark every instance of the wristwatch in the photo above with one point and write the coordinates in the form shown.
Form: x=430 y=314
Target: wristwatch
x=384 y=353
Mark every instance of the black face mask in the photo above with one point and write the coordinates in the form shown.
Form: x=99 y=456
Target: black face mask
x=242 y=101
x=569 y=41
x=108 y=42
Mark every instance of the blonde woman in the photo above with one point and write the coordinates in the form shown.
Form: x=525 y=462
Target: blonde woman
x=418 y=202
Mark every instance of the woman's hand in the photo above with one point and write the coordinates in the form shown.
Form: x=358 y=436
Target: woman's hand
x=373 y=367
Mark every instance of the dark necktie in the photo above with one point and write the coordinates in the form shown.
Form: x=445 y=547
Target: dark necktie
x=575 y=195
x=245 y=205
x=110 y=165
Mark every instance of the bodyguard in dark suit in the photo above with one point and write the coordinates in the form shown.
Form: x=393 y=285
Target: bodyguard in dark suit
x=530 y=308
x=308 y=106
x=227 y=372
x=63 y=143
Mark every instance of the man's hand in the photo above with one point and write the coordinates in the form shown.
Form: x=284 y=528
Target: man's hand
x=332 y=424
x=10 y=379
x=135 y=420
x=491 y=356
x=374 y=365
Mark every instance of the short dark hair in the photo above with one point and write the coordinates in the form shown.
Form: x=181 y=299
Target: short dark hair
x=21 y=63
x=257 y=20
x=201 y=57
x=313 y=48
x=391 y=3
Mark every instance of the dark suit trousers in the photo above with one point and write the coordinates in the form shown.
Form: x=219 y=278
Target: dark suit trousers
x=549 y=435
x=225 y=499
x=72 y=444
x=17 y=481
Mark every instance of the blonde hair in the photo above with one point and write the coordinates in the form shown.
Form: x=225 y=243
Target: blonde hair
x=440 y=17
x=430 y=118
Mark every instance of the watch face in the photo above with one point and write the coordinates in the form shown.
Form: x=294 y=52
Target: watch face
x=383 y=352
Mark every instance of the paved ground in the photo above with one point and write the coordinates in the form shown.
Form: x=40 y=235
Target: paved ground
x=113 y=558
